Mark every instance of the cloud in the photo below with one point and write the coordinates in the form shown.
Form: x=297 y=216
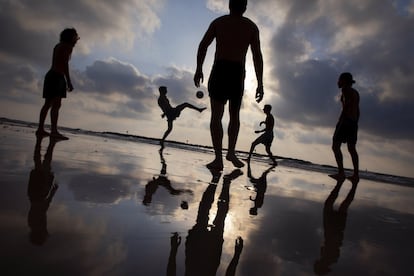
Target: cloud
x=319 y=39
x=33 y=26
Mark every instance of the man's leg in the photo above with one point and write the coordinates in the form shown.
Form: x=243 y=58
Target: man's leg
x=355 y=160
x=254 y=144
x=336 y=148
x=170 y=127
x=216 y=131
x=187 y=105
x=269 y=152
x=233 y=132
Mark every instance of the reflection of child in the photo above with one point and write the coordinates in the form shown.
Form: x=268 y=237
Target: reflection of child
x=267 y=137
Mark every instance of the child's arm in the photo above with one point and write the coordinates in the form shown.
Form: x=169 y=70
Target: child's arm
x=262 y=130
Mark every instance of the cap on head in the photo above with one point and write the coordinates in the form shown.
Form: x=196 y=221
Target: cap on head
x=347 y=77
x=238 y=5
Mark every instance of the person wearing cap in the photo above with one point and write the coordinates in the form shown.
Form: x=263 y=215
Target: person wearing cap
x=347 y=127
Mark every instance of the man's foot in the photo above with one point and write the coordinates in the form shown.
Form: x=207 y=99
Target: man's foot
x=274 y=162
x=338 y=176
x=42 y=133
x=202 y=109
x=233 y=159
x=58 y=136
x=216 y=164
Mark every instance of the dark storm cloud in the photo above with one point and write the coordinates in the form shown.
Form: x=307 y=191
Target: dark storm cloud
x=118 y=84
x=114 y=76
x=179 y=83
x=319 y=39
x=31 y=27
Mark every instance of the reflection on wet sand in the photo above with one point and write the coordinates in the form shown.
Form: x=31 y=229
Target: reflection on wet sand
x=260 y=185
x=334 y=222
x=162 y=180
x=204 y=242
x=41 y=189
x=98 y=210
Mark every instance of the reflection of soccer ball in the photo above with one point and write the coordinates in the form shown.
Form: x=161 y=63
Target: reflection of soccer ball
x=199 y=94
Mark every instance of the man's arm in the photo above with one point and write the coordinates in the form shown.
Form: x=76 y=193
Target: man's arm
x=201 y=54
x=258 y=64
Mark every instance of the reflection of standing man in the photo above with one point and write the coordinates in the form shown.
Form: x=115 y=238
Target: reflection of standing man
x=204 y=242
x=41 y=190
x=334 y=222
x=234 y=33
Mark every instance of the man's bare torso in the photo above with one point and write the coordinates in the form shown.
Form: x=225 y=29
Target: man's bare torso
x=233 y=36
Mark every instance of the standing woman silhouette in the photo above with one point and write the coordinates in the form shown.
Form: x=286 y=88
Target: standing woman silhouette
x=57 y=81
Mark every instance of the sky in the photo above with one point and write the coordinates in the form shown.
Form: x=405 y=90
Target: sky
x=127 y=49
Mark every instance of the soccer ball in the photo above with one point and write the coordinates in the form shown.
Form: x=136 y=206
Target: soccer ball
x=199 y=94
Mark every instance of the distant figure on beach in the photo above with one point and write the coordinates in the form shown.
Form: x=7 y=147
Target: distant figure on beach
x=57 y=81
x=260 y=186
x=347 y=127
x=233 y=33
x=267 y=137
x=170 y=112
x=161 y=180
x=41 y=189
x=334 y=222
x=204 y=243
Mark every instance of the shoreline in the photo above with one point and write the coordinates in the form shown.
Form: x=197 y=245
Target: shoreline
x=282 y=160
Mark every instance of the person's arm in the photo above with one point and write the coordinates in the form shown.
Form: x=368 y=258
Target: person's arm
x=201 y=54
x=258 y=64
x=67 y=51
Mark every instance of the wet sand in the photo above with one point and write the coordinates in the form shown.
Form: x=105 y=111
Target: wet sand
x=101 y=206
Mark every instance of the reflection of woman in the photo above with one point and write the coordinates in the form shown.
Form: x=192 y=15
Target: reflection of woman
x=41 y=190
x=334 y=222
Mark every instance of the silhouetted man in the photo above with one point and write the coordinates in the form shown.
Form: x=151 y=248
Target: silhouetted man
x=170 y=112
x=347 y=127
x=267 y=137
x=334 y=222
x=234 y=33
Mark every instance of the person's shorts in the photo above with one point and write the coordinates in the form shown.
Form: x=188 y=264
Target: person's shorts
x=226 y=81
x=172 y=114
x=265 y=139
x=346 y=131
x=54 y=85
